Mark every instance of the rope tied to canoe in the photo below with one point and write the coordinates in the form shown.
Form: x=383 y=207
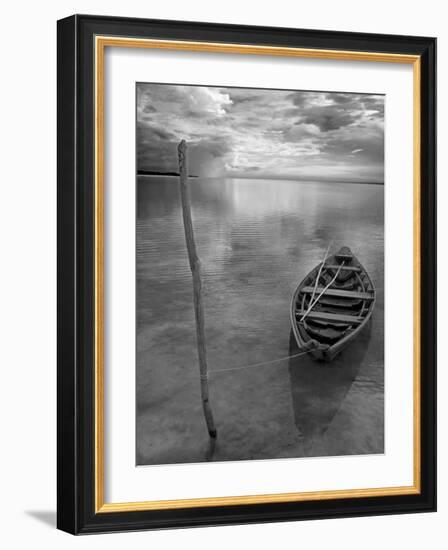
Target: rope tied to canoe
x=263 y=363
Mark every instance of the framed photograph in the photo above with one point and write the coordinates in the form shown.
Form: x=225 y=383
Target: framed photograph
x=246 y=274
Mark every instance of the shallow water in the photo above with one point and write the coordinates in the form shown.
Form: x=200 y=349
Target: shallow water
x=256 y=240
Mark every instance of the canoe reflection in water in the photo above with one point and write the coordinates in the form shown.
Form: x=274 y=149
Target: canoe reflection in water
x=327 y=400
x=335 y=406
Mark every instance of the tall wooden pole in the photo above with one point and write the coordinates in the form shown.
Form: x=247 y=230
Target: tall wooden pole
x=195 y=266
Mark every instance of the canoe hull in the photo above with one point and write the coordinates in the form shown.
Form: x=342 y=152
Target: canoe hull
x=326 y=333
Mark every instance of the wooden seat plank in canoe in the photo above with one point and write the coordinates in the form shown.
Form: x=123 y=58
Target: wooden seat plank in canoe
x=343 y=268
x=350 y=319
x=340 y=293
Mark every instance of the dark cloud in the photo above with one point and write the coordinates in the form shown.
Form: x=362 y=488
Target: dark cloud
x=332 y=111
x=341 y=99
x=161 y=133
x=207 y=159
x=237 y=99
x=301 y=99
x=328 y=117
x=149 y=109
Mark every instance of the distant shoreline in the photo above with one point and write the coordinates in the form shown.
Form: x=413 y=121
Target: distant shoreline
x=174 y=174
x=151 y=173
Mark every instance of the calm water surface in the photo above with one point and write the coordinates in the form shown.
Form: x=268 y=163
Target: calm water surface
x=256 y=240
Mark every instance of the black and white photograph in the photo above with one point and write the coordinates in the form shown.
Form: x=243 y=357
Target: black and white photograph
x=259 y=274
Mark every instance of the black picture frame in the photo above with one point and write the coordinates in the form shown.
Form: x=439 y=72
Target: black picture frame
x=76 y=286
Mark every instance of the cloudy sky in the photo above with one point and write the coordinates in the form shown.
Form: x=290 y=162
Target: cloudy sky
x=240 y=132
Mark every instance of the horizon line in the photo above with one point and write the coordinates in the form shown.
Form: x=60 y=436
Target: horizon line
x=263 y=178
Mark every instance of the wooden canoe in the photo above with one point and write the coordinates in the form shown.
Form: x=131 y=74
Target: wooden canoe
x=344 y=299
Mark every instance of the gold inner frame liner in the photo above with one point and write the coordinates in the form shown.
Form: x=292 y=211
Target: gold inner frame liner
x=101 y=42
